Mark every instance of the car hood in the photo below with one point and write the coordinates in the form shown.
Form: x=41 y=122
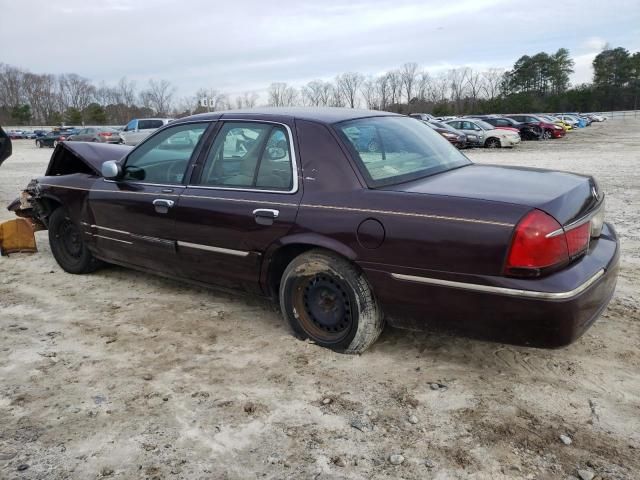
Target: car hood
x=91 y=154
x=566 y=196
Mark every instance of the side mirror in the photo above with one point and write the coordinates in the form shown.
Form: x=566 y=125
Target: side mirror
x=5 y=146
x=111 y=170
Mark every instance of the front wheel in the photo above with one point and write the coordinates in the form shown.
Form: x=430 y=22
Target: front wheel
x=547 y=135
x=67 y=245
x=55 y=143
x=39 y=144
x=326 y=299
x=492 y=143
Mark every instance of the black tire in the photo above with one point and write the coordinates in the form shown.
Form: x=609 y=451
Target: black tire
x=492 y=143
x=547 y=135
x=39 y=144
x=55 y=143
x=67 y=246
x=326 y=299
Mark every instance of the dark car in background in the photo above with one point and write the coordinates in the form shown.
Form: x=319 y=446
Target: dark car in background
x=527 y=132
x=345 y=236
x=545 y=129
x=95 y=134
x=54 y=137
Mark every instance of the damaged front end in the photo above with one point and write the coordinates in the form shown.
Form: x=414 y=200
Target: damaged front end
x=17 y=236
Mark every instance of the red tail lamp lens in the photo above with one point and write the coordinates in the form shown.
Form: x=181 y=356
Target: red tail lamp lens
x=578 y=238
x=538 y=242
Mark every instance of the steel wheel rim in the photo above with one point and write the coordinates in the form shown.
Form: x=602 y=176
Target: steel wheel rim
x=324 y=307
x=70 y=239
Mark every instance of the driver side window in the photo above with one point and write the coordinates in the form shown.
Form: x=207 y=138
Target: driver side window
x=164 y=157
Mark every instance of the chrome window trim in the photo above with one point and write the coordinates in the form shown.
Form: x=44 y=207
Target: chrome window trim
x=512 y=292
x=227 y=251
x=294 y=161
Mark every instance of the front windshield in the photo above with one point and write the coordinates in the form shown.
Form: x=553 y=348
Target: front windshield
x=392 y=150
x=484 y=125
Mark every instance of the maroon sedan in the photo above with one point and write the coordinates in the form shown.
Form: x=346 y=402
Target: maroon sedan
x=348 y=218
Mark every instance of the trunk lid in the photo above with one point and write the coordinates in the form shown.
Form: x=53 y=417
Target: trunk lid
x=563 y=195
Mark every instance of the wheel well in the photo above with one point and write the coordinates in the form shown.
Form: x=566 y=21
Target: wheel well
x=279 y=261
x=47 y=206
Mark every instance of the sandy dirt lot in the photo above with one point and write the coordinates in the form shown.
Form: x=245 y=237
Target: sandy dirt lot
x=120 y=374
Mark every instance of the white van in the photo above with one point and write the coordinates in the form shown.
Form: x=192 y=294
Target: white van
x=140 y=128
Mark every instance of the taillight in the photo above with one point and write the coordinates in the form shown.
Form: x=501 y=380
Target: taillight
x=578 y=238
x=539 y=242
x=105 y=134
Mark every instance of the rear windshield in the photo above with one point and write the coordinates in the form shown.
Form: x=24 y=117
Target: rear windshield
x=145 y=124
x=393 y=150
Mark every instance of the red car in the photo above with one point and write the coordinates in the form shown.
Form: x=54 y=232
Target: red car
x=547 y=130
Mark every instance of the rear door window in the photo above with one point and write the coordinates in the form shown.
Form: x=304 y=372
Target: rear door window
x=250 y=155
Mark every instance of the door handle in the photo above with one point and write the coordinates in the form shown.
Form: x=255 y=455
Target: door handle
x=163 y=205
x=265 y=216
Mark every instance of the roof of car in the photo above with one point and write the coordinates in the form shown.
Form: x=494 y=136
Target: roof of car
x=318 y=114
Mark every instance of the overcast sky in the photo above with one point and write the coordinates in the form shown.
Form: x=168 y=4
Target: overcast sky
x=242 y=45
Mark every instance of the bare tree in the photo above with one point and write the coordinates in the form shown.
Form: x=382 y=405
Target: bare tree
x=348 y=84
x=247 y=100
x=394 y=79
x=408 y=75
x=369 y=90
x=458 y=85
x=440 y=88
x=11 y=85
x=423 y=86
x=76 y=91
x=282 y=95
x=158 y=96
x=493 y=79
x=316 y=93
x=383 y=91
x=475 y=87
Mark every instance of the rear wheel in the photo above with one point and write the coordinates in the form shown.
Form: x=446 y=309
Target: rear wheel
x=67 y=245
x=326 y=299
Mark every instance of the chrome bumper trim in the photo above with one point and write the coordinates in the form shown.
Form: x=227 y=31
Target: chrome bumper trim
x=512 y=292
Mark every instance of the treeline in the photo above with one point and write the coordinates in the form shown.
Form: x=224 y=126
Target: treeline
x=538 y=83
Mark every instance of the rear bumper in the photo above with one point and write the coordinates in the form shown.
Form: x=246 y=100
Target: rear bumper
x=550 y=312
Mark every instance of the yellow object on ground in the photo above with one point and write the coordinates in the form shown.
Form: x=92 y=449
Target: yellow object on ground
x=17 y=236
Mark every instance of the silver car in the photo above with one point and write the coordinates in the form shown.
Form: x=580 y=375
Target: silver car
x=487 y=135
x=95 y=134
x=140 y=128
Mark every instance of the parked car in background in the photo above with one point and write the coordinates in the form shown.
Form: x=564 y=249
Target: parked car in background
x=40 y=133
x=546 y=129
x=95 y=134
x=574 y=121
x=556 y=120
x=28 y=134
x=140 y=128
x=422 y=116
x=502 y=123
x=54 y=137
x=596 y=117
x=344 y=238
x=456 y=138
x=488 y=135
x=15 y=134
